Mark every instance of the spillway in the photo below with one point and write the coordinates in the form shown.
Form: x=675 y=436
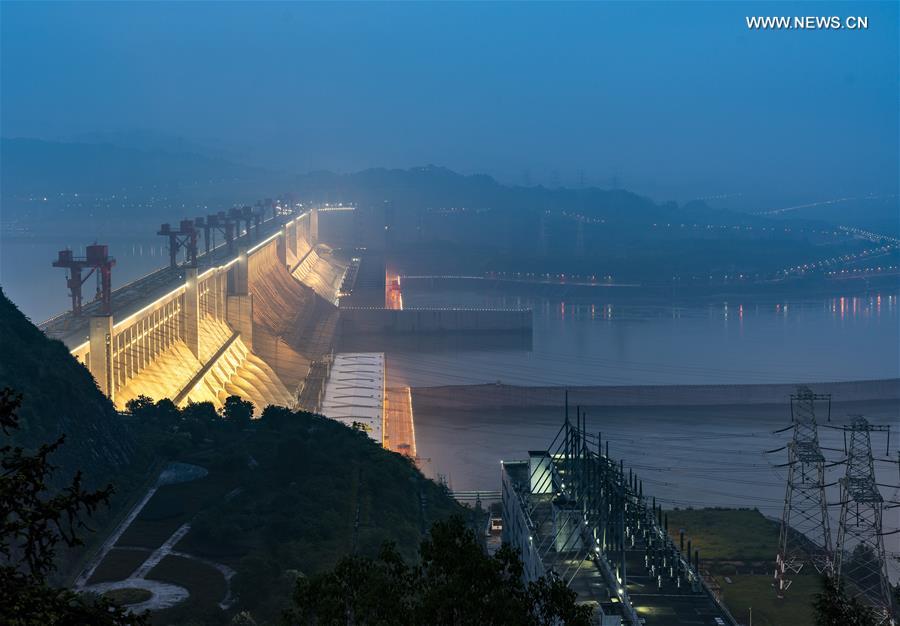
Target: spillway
x=248 y=325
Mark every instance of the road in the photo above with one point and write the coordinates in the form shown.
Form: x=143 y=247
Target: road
x=399 y=429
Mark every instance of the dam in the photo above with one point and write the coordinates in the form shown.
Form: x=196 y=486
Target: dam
x=260 y=319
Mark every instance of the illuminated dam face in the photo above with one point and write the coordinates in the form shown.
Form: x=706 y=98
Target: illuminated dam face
x=250 y=326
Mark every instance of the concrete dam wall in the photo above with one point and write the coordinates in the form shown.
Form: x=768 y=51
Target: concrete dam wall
x=245 y=326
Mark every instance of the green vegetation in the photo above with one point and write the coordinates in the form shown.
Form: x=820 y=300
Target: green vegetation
x=205 y=583
x=285 y=496
x=60 y=396
x=454 y=582
x=172 y=506
x=755 y=590
x=128 y=595
x=36 y=521
x=727 y=534
x=118 y=564
x=739 y=545
x=835 y=608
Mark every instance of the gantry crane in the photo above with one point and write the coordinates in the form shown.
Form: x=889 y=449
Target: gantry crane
x=98 y=260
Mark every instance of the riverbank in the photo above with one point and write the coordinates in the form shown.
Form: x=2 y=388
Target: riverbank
x=637 y=290
x=498 y=396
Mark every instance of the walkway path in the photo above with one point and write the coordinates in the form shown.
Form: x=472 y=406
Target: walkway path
x=164 y=595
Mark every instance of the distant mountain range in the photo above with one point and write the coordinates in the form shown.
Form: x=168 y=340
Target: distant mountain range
x=31 y=167
x=157 y=141
x=432 y=188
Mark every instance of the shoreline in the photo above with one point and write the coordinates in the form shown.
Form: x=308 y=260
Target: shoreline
x=496 y=396
x=637 y=290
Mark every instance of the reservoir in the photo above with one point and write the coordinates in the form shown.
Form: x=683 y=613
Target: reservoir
x=613 y=339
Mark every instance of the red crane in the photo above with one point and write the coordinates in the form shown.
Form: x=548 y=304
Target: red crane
x=99 y=262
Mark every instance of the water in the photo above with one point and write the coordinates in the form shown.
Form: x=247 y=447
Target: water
x=686 y=456
x=39 y=289
x=601 y=342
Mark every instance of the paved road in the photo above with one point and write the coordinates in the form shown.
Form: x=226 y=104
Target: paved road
x=399 y=429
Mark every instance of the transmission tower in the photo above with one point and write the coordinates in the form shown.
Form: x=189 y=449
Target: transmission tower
x=861 y=559
x=805 y=535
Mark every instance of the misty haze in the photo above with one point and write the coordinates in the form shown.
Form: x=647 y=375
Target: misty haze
x=449 y=313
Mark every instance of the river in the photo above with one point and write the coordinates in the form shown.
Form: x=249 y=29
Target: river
x=686 y=456
x=626 y=341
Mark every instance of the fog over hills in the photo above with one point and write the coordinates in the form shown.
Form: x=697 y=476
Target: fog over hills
x=146 y=162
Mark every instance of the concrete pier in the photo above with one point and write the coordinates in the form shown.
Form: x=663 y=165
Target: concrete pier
x=418 y=321
x=101 y=334
x=191 y=311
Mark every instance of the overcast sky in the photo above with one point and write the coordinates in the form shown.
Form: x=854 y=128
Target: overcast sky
x=676 y=100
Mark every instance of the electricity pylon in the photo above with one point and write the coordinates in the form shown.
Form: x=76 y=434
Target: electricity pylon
x=861 y=558
x=805 y=535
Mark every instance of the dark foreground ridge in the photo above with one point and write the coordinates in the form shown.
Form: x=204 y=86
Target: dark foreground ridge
x=60 y=397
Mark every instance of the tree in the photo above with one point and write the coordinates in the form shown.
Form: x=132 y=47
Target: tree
x=197 y=418
x=237 y=411
x=455 y=583
x=834 y=608
x=142 y=408
x=33 y=523
x=167 y=414
x=204 y=412
x=276 y=417
x=163 y=413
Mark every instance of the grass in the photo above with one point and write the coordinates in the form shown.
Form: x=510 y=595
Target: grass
x=118 y=564
x=206 y=585
x=170 y=507
x=726 y=534
x=129 y=595
x=741 y=543
x=280 y=500
x=795 y=609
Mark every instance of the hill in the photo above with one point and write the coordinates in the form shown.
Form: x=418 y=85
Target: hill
x=247 y=508
x=431 y=220
x=438 y=188
x=60 y=397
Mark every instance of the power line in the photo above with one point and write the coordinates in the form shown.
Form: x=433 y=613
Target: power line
x=861 y=558
x=805 y=536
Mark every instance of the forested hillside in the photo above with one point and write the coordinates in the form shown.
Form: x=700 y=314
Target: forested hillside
x=60 y=398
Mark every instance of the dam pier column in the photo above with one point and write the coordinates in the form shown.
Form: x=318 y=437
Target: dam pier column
x=101 y=362
x=281 y=246
x=239 y=302
x=291 y=236
x=240 y=273
x=190 y=311
x=314 y=226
